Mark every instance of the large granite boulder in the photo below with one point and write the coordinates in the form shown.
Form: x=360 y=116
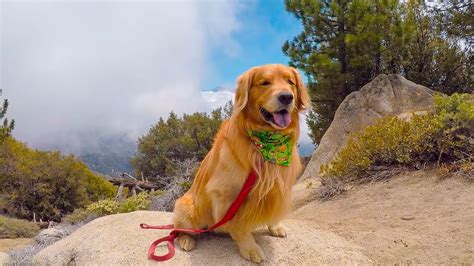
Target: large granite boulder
x=118 y=240
x=385 y=95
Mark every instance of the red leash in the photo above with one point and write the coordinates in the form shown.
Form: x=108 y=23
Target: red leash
x=234 y=207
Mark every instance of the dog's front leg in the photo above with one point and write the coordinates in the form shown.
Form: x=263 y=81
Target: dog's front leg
x=249 y=249
x=277 y=230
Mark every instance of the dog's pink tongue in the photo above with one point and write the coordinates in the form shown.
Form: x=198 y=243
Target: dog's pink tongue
x=282 y=119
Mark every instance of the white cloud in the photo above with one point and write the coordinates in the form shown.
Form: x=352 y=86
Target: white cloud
x=75 y=68
x=217 y=99
x=306 y=145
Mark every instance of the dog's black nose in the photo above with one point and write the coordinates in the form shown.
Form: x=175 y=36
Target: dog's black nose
x=285 y=98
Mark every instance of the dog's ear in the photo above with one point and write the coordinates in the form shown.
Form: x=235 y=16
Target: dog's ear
x=302 y=97
x=244 y=83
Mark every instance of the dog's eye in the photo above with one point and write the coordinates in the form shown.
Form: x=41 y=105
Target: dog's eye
x=265 y=83
x=291 y=82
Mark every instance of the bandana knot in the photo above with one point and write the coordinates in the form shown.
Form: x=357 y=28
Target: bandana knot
x=274 y=147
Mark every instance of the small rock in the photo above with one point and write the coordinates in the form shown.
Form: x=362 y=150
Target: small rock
x=407 y=218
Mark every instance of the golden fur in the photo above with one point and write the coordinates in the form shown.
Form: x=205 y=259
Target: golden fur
x=227 y=165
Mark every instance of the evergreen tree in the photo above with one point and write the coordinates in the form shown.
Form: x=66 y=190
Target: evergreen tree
x=345 y=44
x=177 y=139
x=6 y=126
x=431 y=57
x=457 y=19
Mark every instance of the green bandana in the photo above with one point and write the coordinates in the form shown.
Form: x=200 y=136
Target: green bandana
x=274 y=147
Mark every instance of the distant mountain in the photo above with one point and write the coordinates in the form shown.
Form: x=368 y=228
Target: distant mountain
x=111 y=155
x=109 y=164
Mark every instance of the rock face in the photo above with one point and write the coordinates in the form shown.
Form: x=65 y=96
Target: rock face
x=117 y=239
x=383 y=96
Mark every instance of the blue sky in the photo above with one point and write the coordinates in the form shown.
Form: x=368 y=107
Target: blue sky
x=93 y=69
x=265 y=26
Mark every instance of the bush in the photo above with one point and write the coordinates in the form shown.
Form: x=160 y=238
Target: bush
x=110 y=206
x=103 y=207
x=47 y=184
x=445 y=135
x=176 y=185
x=14 y=228
x=135 y=203
x=80 y=215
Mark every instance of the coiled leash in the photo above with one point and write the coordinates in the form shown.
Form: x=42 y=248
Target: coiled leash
x=234 y=207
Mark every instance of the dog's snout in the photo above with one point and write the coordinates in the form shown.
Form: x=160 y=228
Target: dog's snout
x=285 y=98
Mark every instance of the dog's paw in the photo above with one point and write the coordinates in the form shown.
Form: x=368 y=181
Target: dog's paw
x=186 y=242
x=253 y=253
x=278 y=231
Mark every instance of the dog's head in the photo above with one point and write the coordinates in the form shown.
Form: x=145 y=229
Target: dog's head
x=271 y=96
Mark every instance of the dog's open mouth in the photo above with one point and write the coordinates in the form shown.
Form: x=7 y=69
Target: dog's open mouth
x=281 y=119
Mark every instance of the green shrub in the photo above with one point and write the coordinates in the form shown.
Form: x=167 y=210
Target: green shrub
x=186 y=185
x=444 y=135
x=46 y=184
x=14 y=228
x=103 y=207
x=135 y=203
x=130 y=204
x=156 y=193
x=79 y=215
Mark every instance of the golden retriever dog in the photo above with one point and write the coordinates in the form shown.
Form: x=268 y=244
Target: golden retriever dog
x=268 y=98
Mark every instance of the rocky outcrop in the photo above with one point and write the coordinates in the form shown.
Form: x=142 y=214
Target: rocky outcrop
x=385 y=95
x=117 y=239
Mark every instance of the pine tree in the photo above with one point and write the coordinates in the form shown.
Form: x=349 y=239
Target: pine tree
x=432 y=57
x=345 y=44
x=6 y=126
x=457 y=19
x=177 y=139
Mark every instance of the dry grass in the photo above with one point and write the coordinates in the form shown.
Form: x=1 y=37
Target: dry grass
x=25 y=255
x=462 y=169
x=330 y=188
x=16 y=228
x=79 y=216
x=176 y=186
x=381 y=173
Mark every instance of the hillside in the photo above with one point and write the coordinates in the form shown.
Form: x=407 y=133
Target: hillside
x=407 y=216
x=416 y=217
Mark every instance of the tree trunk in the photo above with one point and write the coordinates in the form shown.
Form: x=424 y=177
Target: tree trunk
x=342 y=53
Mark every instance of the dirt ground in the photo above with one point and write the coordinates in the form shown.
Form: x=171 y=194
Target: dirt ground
x=7 y=245
x=413 y=218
